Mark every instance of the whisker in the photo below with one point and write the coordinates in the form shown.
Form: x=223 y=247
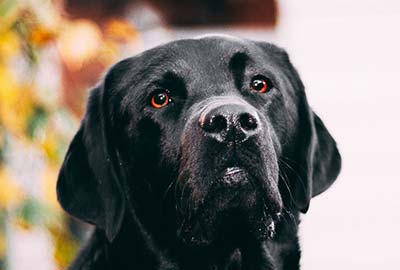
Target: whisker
x=283 y=177
x=295 y=173
x=288 y=217
x=182 y=193
x=169 y=189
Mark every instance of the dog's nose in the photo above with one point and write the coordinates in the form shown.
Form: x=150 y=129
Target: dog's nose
x=229 y=123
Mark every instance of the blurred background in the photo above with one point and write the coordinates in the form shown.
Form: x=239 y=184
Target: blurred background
x=347 y=53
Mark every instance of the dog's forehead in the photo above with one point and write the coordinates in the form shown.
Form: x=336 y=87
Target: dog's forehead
x=203 y=50
x=205 y=61
x=211 y=44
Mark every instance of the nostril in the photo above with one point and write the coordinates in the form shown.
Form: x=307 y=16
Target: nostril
x=248 y=121
x=215 y=124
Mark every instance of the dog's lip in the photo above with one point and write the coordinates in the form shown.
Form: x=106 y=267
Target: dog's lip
x=233 y=170
x=234 y=176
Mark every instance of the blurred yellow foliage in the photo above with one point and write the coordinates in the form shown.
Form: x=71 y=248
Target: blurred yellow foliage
x=10 y=194
x=49 y=194
x=49 y=145
x=2 y=245
x=65 y=246
x=16 y=103
x=33 y=108
x=9 y=12
x=121 y=30
x=9 y=45
x=42 y=36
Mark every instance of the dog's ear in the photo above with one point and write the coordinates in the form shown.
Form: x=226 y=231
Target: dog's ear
x=313 y=161
x=326 y=161
x=317 y=161
x=88 y=186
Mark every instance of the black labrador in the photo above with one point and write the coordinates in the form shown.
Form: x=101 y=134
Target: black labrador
x=197 y=154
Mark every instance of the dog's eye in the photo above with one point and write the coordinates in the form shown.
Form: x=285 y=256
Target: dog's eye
x=160 y=99
x=261 y=84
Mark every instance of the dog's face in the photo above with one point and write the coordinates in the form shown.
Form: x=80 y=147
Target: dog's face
x=208 y=137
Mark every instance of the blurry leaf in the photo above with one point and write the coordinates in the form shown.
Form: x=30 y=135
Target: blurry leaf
x=2 y=144
x=10 y=194
x=121 y=31
x=29 y=213
x=50 y=181
x=42 y=36
x=65 y=246
x=9 y=45
x=37 y=122
x=7 y=83
x=8 y=13
x=6 y=6
x=109 y=52
x=3 y=216
x=66 y=124
x=16 y=103
x=22 y=28
x=33 y=212
x=50 y=145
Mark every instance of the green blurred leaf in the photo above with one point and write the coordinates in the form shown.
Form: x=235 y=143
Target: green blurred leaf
x=6 y=7
x=30 y=211
x=33 y=212
x=2 y=144
x=23 y=28
x=37 y=122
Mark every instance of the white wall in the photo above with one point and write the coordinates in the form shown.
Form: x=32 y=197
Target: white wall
x=348 y=53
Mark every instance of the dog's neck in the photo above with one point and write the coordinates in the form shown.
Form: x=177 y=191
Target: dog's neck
x=133 y=248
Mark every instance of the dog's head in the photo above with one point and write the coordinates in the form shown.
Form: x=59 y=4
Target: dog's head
x=203 y=138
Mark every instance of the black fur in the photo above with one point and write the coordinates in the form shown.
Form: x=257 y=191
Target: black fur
x=174 y=188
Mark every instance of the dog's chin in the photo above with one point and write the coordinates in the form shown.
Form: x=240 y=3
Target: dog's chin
x=232 y=211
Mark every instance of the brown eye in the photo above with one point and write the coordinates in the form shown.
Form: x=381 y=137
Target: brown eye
x=160 y=99
x=261 y=85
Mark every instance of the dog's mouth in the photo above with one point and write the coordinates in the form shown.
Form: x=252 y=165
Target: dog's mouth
x=234 y=176
x=233 y=209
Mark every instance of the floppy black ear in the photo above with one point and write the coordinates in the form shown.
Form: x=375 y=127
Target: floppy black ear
x=317 y=161
x=88 y=187
x=327 y=160
x=314 y=159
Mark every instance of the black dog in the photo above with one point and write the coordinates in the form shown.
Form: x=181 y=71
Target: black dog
x=198 y=154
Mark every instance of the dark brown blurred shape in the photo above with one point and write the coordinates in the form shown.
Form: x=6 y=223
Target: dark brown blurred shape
x=97 y=10
x=218 y=12
x=262 y=13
